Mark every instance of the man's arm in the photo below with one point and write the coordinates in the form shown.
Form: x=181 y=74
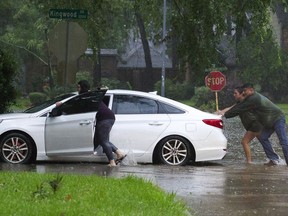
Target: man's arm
x=239 y=108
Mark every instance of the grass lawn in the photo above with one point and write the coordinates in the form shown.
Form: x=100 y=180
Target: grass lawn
x=26 y=193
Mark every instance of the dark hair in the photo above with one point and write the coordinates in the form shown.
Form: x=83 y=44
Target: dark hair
x=247 y=85
x=84 y=86
x=239 y=89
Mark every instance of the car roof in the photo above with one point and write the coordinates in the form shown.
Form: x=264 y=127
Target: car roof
x=139 y=93
x=152 y=95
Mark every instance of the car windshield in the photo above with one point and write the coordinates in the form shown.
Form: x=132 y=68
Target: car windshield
x=47 y=103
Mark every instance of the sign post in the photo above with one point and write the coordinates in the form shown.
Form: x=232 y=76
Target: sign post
x=68 y=40
x=216 y=81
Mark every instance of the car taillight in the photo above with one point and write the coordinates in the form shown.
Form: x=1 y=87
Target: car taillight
x=214 y=122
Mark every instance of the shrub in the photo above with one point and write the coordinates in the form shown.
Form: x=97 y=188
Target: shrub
x=37 y=98
x=175 y=90
x=57 y=90
x=204 y=99
x=83 y=75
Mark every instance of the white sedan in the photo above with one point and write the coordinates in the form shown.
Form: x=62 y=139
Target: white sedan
x=151 y=128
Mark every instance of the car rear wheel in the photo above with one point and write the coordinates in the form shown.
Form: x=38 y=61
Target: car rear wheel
x=175 y=150
x=17 y=148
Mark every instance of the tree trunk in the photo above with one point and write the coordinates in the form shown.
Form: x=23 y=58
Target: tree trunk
x=97 y=73
x=147 y=82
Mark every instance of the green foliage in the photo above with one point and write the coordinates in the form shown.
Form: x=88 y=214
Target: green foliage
x=204 y=99
x=45 y=188
x=198 y=26
x=42 y=191
x=22 y=30
x=175 y=90
x=56 y=90
x=101 y=24
x=7 y=74
x=115 y=84
x=83 y=195
x=21 y=104
x=84 y=75
x=260 y=59
x=195 y=29
x=37 y=98
x=56 y=183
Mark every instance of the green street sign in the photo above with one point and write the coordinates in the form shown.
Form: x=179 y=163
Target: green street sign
x=68 y=14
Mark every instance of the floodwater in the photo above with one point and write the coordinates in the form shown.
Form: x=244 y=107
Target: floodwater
x=226 y=187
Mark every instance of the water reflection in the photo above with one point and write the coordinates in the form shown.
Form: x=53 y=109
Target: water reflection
x=18 y=167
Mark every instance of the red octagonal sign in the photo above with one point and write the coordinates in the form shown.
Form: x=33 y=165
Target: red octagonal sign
x=215 y=80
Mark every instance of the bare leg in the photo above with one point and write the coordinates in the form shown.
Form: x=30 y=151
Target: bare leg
x=248 y=137
x=112 y=163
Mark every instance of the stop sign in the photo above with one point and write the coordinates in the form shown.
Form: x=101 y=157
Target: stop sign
x=215 y=80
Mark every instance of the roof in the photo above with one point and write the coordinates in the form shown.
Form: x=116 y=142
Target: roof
x=135 y=58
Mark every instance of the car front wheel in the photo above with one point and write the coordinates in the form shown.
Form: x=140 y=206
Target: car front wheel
x=175 y=151
x=17 y=148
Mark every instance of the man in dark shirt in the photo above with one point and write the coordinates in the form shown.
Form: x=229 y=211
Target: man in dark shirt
x=269 y=115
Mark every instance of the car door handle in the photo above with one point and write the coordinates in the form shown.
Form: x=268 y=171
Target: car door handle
x=155 y=123
x=87 y=122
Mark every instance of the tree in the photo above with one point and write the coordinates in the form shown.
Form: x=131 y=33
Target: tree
x=195 y=29
x=26 y=25
x=107 y=25
x=259 y=57
x=147 y=84
x=23 y=34
x=7 y=74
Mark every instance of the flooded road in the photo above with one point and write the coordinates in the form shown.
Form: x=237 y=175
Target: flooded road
x=212 y=188
x=226 y=187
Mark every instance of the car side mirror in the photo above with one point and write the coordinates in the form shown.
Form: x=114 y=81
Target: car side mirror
x=55 y=112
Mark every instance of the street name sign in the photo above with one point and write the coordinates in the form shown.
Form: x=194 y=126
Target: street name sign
x=68 y=14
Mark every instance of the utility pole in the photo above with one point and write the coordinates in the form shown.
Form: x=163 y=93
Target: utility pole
x=163 y=51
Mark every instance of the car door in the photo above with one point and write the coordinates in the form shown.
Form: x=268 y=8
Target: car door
x=138 y=125
x=69 y=127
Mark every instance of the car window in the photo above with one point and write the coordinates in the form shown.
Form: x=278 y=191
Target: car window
x=106 y=100
x=87 y=102
x=171 y=109
x=48 y=103
x=129 y=104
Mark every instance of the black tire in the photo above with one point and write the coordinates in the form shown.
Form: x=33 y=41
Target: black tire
x=17 y=148
x=174 y=151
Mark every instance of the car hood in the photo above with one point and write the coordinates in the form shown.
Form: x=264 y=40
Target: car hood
x=14 y=116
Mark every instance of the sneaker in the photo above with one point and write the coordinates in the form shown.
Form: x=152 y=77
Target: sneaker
x=271 y=163
x=94 y=153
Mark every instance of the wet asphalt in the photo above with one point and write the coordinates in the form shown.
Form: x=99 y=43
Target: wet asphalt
x=225 y=187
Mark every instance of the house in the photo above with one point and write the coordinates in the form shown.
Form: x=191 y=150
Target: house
x=131 y=66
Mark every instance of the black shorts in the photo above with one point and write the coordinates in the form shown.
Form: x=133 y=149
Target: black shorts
x=254 y=127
